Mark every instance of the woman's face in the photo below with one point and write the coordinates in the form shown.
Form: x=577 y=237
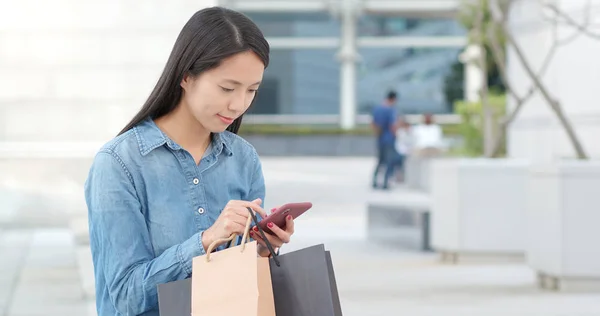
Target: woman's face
x=218 y=96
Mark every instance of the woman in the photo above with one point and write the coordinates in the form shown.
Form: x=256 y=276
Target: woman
x=178 y=177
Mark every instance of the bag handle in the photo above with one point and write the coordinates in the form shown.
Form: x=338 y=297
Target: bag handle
x=262 y=234
x=214 y=244
x=249 y=221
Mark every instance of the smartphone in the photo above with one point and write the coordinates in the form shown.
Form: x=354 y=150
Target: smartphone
x=279 y=215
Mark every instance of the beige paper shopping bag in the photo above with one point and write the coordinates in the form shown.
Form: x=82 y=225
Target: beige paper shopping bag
x=232 y=282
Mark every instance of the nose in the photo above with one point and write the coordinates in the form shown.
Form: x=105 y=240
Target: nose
x=239 y=102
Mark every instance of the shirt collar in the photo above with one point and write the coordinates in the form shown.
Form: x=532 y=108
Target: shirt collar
x=150 y=137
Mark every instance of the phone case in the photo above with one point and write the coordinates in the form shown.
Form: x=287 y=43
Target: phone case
x=278 y=217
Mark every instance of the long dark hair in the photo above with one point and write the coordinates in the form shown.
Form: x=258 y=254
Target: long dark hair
x=210 y=36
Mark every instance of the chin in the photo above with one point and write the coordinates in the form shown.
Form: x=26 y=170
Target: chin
x=218 y=128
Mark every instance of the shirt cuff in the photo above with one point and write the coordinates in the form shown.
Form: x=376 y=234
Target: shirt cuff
x=188 y=250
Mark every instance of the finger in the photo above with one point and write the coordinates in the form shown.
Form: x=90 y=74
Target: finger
x=235 y=228
x=235 y=223
x=280 y=233
x=243 y=212
x=240 y=210
x=257 y=201
x=273 y=240
x=263 y=245
x=289 y=224
x=256 y=236
x=255 y=207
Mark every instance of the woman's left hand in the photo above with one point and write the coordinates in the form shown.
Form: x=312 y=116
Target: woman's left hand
x=277 y=239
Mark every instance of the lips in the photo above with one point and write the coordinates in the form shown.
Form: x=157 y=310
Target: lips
x=225 y=119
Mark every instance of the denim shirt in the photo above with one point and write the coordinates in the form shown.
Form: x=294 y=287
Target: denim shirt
x=148 y=204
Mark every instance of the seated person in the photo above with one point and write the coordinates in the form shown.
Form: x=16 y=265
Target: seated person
x=428 y=137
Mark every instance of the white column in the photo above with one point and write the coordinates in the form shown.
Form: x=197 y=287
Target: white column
x=348 y=57
x=473 y=75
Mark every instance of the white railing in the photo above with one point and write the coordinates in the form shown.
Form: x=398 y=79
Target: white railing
x=367 y=42
x=388 y=6
x=333 y=119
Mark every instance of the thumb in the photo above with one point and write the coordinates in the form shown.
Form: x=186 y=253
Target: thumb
x=257 y=201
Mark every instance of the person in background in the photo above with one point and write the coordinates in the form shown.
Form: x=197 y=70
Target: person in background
x=403 y=147
x=428 y=137
x=384 y=125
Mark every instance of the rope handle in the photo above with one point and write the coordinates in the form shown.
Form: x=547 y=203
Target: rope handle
x=214 y=244
x=249 y=221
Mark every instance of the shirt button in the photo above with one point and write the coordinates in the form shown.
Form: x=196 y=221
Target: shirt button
x=201 y=210
x=196 y=181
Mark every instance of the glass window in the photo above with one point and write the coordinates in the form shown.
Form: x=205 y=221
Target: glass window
x=417 y=74
x=379 y=25
x=300 y=81
x=302 y=24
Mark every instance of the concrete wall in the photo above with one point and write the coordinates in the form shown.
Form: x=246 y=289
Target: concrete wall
x=78 y=70
x=572 y=78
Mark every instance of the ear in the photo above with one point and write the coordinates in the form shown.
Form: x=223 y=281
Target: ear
x=187 y=81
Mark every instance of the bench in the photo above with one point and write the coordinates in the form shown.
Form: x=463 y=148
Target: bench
x=400 y=217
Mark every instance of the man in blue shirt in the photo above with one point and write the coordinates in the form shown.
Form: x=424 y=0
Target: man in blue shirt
x=384 y=124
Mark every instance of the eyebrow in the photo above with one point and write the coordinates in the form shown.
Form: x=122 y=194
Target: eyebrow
x=235 y=82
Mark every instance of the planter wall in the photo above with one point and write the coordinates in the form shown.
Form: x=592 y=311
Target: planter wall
x=313 y=145
x=563 y=217
x=417 y=168
x=478 y=206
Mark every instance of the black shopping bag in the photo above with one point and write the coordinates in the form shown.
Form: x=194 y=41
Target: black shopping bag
x=175 y=298
x=304 y=283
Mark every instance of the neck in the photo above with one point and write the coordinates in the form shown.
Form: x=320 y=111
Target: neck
x=184 y=129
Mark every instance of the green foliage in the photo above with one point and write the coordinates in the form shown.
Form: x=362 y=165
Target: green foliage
x=471 y=127
x=467 y=17
x=454 y=89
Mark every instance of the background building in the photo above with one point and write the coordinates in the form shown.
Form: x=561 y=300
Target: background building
x=77 y=71
x=341 y=57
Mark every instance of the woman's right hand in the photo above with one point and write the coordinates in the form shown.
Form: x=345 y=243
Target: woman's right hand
x=232 y=220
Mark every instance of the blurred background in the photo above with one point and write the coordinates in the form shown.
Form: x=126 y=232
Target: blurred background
x=496 y=215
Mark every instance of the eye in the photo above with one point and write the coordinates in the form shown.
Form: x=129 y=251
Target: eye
x=253 y=90
x=226 y=89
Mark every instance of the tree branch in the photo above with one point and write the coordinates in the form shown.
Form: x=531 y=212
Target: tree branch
x=499 y=58
x=582 y=28
x=488 y=116
x=498 y=17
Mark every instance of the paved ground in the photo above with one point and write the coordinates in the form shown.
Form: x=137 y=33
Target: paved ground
x=39 y=274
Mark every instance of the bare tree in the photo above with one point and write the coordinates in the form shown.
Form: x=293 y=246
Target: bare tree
x=500 y=24
x=488 y=115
